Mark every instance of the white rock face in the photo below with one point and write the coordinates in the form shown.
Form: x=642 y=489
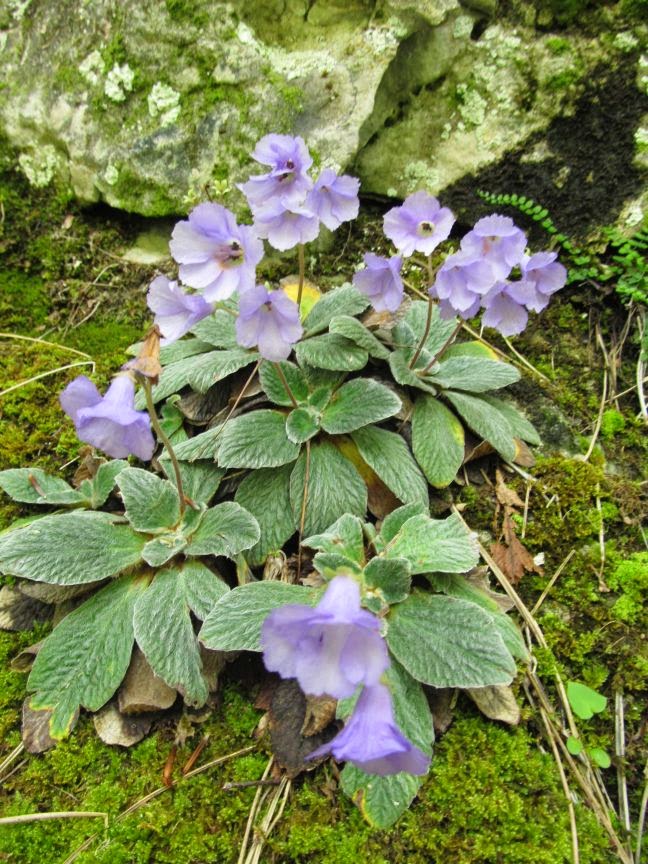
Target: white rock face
x=145 y=106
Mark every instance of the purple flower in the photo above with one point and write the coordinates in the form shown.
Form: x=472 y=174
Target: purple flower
x=285 y=227
x=546 y=274
x=504 y=307
x=111 y=422
x=497 y=239
x=419 y=225
x=216 y=256
x=270 y=320
x=372 y=740
x=176 y=312
x=329 y=649
x=381 y=282
x=334 y=199
x=287 y=180
x=460 y=284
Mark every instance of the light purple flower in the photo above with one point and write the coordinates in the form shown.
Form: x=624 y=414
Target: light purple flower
x=216 y=256
x=176 y=312
x=111 y=422
x=504 y=308
x=269 y=320
x=460 y=284
x=419 y=224
x=497 y=239
x=381 y=282
x=287 y=181
x=372 y=740
x=334 y=199
x=329 y=649
x=546 y=274
x=286 y=227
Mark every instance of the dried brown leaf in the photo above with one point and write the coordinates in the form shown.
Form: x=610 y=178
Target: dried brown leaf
x=511 y=556
x=320 y=712
x=25 y=660
x=496 y=702
x=35 y=728
x=506 y=497
x=287 y=717
x=442 y=702
x=113 y=727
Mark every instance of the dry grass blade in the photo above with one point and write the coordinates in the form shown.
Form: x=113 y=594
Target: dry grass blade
x=156 y=793
x=47 y=374
x=552 y=582
x=15 y=753
x=253 y=811
x=599 y=418
x=642 y=818
x=551 y=735
x=42 y=817
x=619 y=752
x=276 y=803
x=45 y=342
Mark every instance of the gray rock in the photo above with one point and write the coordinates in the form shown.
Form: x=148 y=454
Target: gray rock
x=142 y=690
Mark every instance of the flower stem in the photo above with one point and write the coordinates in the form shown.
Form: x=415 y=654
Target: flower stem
x=448 y=341
x=159 y=431
x=428 y=320
x=286 y=385
x=302 y=273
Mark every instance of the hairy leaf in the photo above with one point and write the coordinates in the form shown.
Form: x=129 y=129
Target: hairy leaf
x=389 y=456
x=226 y=529
x=435 y=545
x=266 y=495
x=152 y=504
x=359 y=403
x=437 y=441
x=274 y=387
x=474 y=374
x=332 y=352
x=486 y=421
x=35 y=486
x=354 y=330
x=345 y=300
x=256 y=440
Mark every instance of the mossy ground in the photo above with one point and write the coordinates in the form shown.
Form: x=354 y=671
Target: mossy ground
x=494 y=794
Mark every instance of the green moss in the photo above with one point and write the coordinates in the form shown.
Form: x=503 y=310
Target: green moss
x=558 y=45
x=630 y=579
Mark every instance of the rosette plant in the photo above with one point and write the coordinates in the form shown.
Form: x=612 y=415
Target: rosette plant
x=298 y=422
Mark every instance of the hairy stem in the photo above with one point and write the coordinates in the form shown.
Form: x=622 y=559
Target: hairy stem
x=159 y=431
x=428 y=321
x=445 y=345
x=286 y=385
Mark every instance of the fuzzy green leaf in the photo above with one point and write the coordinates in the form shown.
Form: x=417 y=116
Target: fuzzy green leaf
x=486 y=421
x=359 y=403
x=355 y=330
x=437 y=441
x=332 y=352
x=163 y=548
x=446 y=642
x=35 y=486
x=274 y=387
x=393 y=523
x=152 y=504
x=389 y=456
x=345 y=300
x=435 y=545
x=474 y=374
x=344 y=537
x=84 y=659
x=218 y=329
x=103 y=483
x=440 y=329
x=302 y=424
x=266 y=495
x=334 y=487
x=203 y=446
x=399 y=365
x=521 y=427
x=226 y=529
x=70 y=549
x=256 y=440
x=201 y=371
x=234 y=623
x=390 y=576
x=200 y=478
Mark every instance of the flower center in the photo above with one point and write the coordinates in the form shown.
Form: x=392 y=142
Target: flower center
x=426 y=228
x=230 y=254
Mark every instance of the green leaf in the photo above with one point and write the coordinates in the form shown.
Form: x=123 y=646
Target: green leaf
x=203 y=446
x=152 y=504
x=521 y=427
x=446 y=642
x=345 y=300
x=389 y=456
x=599 y=756
x=333 y=352
x=437 y=441
x=359 y=403
x=393 y=523
x=84 y=659
x=331 y=564
x=70 y=549
x=574 y=745
x=256 y=440
x=435 y=545
x=440 y=330
x=172 y=422
x=234 y=623
x=474 y=374
x=164 y=630
x=226 y=529
x=584 y=701
x=302 y=424
x=382 y=800
x=274 y=387
x=399 y=365
x=391 y=577
x=218 y=329
x=200 y=478
x=201 y=371
x=178 y=350
x=103 y=483
x=163 y=548
x=266 y=495
x=344 y=536
x=486 y=421
x=319 y=398
x=334 y=487
x=35 y=486
x=470 y=349
x=354 y=330
x=320 y=380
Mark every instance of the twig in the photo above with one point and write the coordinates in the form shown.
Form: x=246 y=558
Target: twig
x=525 y=515
x=523 y=359
x=619 y=752
x=42 y=817
x=552 y=582
x=551 y=735
x=642 y=818
x=191 y=761
x=599 y=419
x=603 y=588
x=640 y=371
x=15 y=753
x=47 y=374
